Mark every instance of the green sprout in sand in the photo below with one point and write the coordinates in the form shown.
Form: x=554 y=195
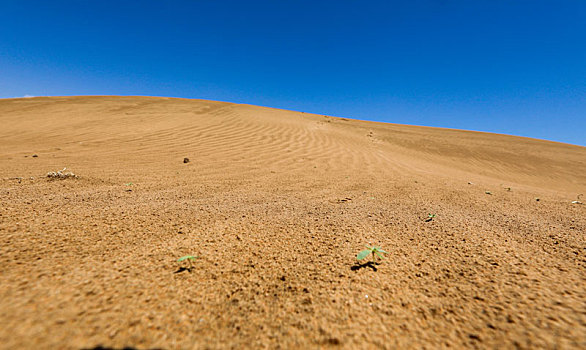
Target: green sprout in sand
x=189 y=258
x=371 y=250
x=430 y=217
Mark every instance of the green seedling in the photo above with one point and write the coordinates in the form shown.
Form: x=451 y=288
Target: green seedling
x=371 y=250
x=430 y=217
x=129 y=184
x=189 y=258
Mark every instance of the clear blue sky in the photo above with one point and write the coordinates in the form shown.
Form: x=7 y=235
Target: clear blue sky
x=506 y=66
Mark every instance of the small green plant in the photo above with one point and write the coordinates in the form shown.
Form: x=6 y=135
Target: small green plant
x=129 y=184
x=189 y=258
x=429 y=217
x=371 y=250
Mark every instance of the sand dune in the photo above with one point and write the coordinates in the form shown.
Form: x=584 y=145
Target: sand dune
x=277 y=204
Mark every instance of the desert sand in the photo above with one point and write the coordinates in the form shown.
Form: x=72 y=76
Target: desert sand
x=275 y=205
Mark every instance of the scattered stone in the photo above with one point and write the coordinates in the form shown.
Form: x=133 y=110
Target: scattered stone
x=474 y=337
x=61 y=175
x=488 y=192
x=35 y=156
x=185 y=160
x=333 y=341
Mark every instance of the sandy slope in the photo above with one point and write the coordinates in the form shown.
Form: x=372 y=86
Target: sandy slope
x=276 y=204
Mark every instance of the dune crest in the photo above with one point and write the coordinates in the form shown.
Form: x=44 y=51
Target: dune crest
x=143 y=127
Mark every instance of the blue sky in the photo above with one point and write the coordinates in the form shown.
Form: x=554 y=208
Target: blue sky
x=506 y=66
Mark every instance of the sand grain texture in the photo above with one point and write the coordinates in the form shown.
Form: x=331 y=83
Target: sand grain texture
x=277 y=204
